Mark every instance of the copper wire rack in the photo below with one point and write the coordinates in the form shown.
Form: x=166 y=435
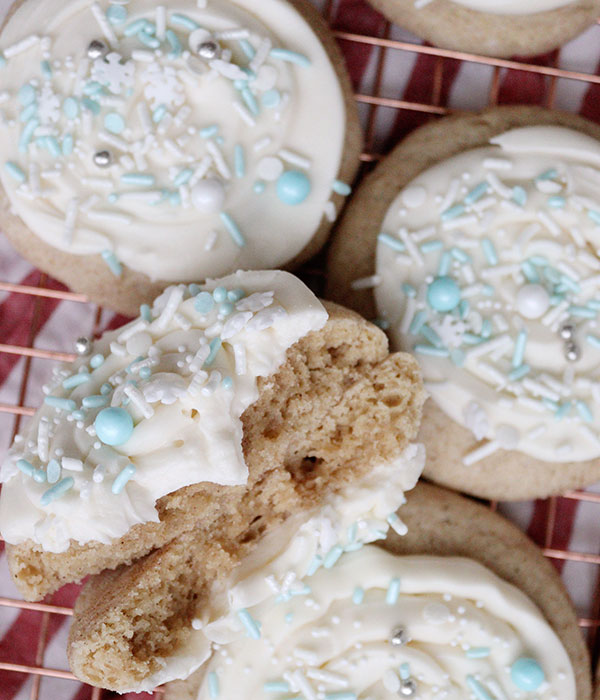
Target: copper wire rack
x=372 y=101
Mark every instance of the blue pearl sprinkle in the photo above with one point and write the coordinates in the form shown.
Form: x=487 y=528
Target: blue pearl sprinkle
x=114 y=123
x=527 y=674
x=26 y=94
x=443 y=294
x=204 y=303
x=114 y=426
x=293 y=187
x=220 y=295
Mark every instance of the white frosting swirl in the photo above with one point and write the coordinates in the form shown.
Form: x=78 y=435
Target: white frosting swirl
x=276 y=571
x=185 y=375
x=465 y=634
x=194 y=142
x=514 y=231
x=513 y=7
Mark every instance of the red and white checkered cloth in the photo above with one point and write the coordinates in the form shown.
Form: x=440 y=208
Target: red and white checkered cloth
x=405 y=76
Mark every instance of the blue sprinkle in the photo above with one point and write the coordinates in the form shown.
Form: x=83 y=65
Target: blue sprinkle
x=594 y=216
x=215 y=346
x=114 y=123
x=271 y=99
x=251 y=625
x=530 y=272
x=145 y=312
x=444 y=265
x=233 y=230
x=382 y=323
x=314 y=566
x=404 y=670
x=209 y=131
x=486 y=328
x=140 y=179
x=46 y=69
x=27 y=134
x=226 y=309
x=393 y=591
x=570 y=283
x=463 y=308
x=67 y=145
x=341 y=188
x=582 y=312
x=259 y=187
x=236 y=295
x=538 y=260
x=78 y=414
x=184 y=21
x=26 y=94
x=138 y=26
x=358 y=595
x=458 y=357
x=276 y=687
x=552 y=275
x=204 y=302
x=97 y=361
x=288 y=618
x=75 y=380
x=247 y=48
x=593 y=340
x=106 y=388
x=56 y=491
x=227 y=383
x=250 y=101
x=519 y=196
x=58 y=402
x=213 y=685
x=145 y=372
x=3 y=61
x=430 y=335
x=149 y=41
x=71 y=108
x=556 y=202
x=409 y=290
x=547 y=175
x=52 y=146
x=478 y=690
x=219 y=294
x=174 y=199
x=489 y=251
x=15 y=171
x=562 y=410
x=471 y=339
x=183 y=177
x=430 y=350
x=159 y=113
x=29 y=112
x=519 y=351
x=519 y=373
x=391 y=242
x=291 y=57
x=53 y=471
x=25 y=467
x=594 y=304
x=122 y=478
x=460 y=255
x=94 y=401
x=239 y=160
x=91 y=105
x=344 y=695
x=417 y=322
x=550 y=405
x=453 y=212
x=431 y=246
x=113 y=264
x=332 y=556
x=584 y=411
x=174 y=43
x=116 y=14
x=92 y=88
x=477 y=193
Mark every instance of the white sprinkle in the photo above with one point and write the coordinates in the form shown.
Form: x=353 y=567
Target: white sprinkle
x=328 y=677
x=239 y=354
x=113 y=140
x=72 y=464
x=43 y=440
x=51 y=174
x=330 y=211
x=459 y=222
x=421 y=3
x=103 y=183
x=34 y=179
x=590 y=281
x=130 y=330
x=411 y=307
x=548 y=186
x=527 y=233
x=499 y=271
x=118 y=349
x=588 y=260
x=309 y=657
x=261 y=144
x=144 y=117
x=235 y=323
x=564 y=450
x=4 y=96
x=537 y=432
x=468 y=274
x=481 y=453
x=450 y=195
x=127 y=163
x=182 y=116
x=411 y=248
x=175 y=298
x=106 y=215
x=201 y=170
x=173 y=148
x=112 y=101
x=103 y=22
x=142 y=56
x=198 y=381
x=161 y=22
x=500 y=323
x=244 y=114
x=184 y=193
x=533 y=404
x=498 y=186
x=548 y=222
x=590 y=434
x=577 y=236
x=495 y=376
x=182 y=321
x=503 y=342
x=366 y=282
x=497 y=164
x=82 y=70
x=538 y=389
x=233 y=34
x=484 y=204
x=227 y=70
x=213 y=383
x=555 y=385
x=261 y=55
x=555 y=313
x=423 y=234
x=147 y=196
x=294 y=159
x=98 y=475
x=70 y=219
x=211 y=240
x=86 y=121
x=302 y=685
x=471 y=291
x=137 y=398
x=220 y=163
x=21 y=46
x=568 y=270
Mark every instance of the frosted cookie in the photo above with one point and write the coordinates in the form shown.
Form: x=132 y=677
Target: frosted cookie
x=493 y=27
x=430 y=623
x=241 y=398
x=143 y=144
x=476 y=242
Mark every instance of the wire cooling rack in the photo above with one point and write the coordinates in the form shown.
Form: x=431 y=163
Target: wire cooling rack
x=381 y=114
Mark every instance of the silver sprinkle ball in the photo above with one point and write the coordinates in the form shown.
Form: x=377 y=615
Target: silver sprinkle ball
x=97 y=49
x=567 y=331
x=102 y=159
x=208 y=49
x=399 y=637
x=83 y=346
x=408 y=688
x=572 y=351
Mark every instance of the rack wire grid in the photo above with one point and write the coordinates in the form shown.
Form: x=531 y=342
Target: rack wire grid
x=388 y=55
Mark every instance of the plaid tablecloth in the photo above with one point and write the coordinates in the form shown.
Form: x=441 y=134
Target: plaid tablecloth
x=403 y=75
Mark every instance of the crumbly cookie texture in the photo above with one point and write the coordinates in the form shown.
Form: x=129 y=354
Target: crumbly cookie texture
x=445 y=525
x=155 y=144
x=468 y=25
x=536 y=224
x=337 y=408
